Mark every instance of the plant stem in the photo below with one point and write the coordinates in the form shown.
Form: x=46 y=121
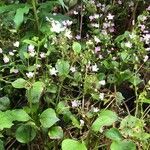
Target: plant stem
x=35 y=13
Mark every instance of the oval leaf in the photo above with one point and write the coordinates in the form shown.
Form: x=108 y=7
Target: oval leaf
x=70 y=144
x=19 y=83
x=106 y=118
x=76 y=47
x=55 y=133
x=4 y=103
x=123 y=145
x=48 y=118
x=25 y=134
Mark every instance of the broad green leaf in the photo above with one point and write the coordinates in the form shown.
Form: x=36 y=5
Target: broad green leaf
x=19 y=83
x=70 y=144
x=119 y=98
x=12 y=7
x=35 y=92
x=19 y=17
x=131 y=126
x=55 y=132
x=25 y=134
x=123 y=145
x=48 y=118
x=30 y=42
x=4 y=103
x=105 y=118
x=76 y=47
x=63 y=67
x=135 y=80
x=1 y=145
x=113 y=134
x=143 y=97
x=9 y=116
x=19 y=115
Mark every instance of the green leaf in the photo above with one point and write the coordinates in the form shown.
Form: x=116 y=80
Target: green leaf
x=55 y=132
x=113 y=134
x=30 y=42
x=106 y=118
x=1 y=145
x=12 y=7
x=123 y=145
x=70 y=144
x=135 y=80
x=25 y=134
x=19 y=17
x=76 y=47
x=143 y=97
x=63 y=67
x=19 y=83
x=48 y=118
x=4 y=103
x=35 y=92
x=63 y=4
x=19 y=115
x=119 y=98
x=7 y=117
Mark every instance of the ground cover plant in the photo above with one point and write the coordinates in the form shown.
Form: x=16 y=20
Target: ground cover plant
x=74 y=74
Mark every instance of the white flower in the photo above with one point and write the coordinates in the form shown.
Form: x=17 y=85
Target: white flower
x=16 y=44
x=128 y=44
x=32 y=54
x=102 y=82
x=53 y=71
x=96 y=25
x=1 y=51
x=68 y=34
x=95 y=109
x=81 y=123
x=94 y=68
x=145 y=58
x=75 y=103
x=30 y=74
x=6 y=59
x=110 y=16
x=101 y=96
x=57 y=27
x=42 y=55
x=75 y=12
x=11 y=53
x=31 y=48
x=96 y=16
x=132 y=36
x=147 y=49
x=97 y=40
x=72 y=69
x=147 y=38
x=16 y=70
x=37 y=66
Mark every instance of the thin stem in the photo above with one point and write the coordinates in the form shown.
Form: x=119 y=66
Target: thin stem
x=35 y=13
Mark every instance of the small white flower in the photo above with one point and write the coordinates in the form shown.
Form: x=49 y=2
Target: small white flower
x=30 y=74
x=95 y=109
x=75 y=103
x=102 y=82
x=75 y=13
x=11 y=53
x=147 y=49
x=94 y=68
x=53 y=71
x=145 y=58
x=96 y=25
x=42 y=55
x=1 y=51
x=100 y=57
x=16 y=44
x=32 y=54
x=31 y=48
x=6 y=59
x=97 y=40
x=128 y=44
x=68 y=34
x=57 y=27
x=81 y=123
x=37 y=66
x=73 y=69
x=110 y=16
x=101 y=96
x=96 y=16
